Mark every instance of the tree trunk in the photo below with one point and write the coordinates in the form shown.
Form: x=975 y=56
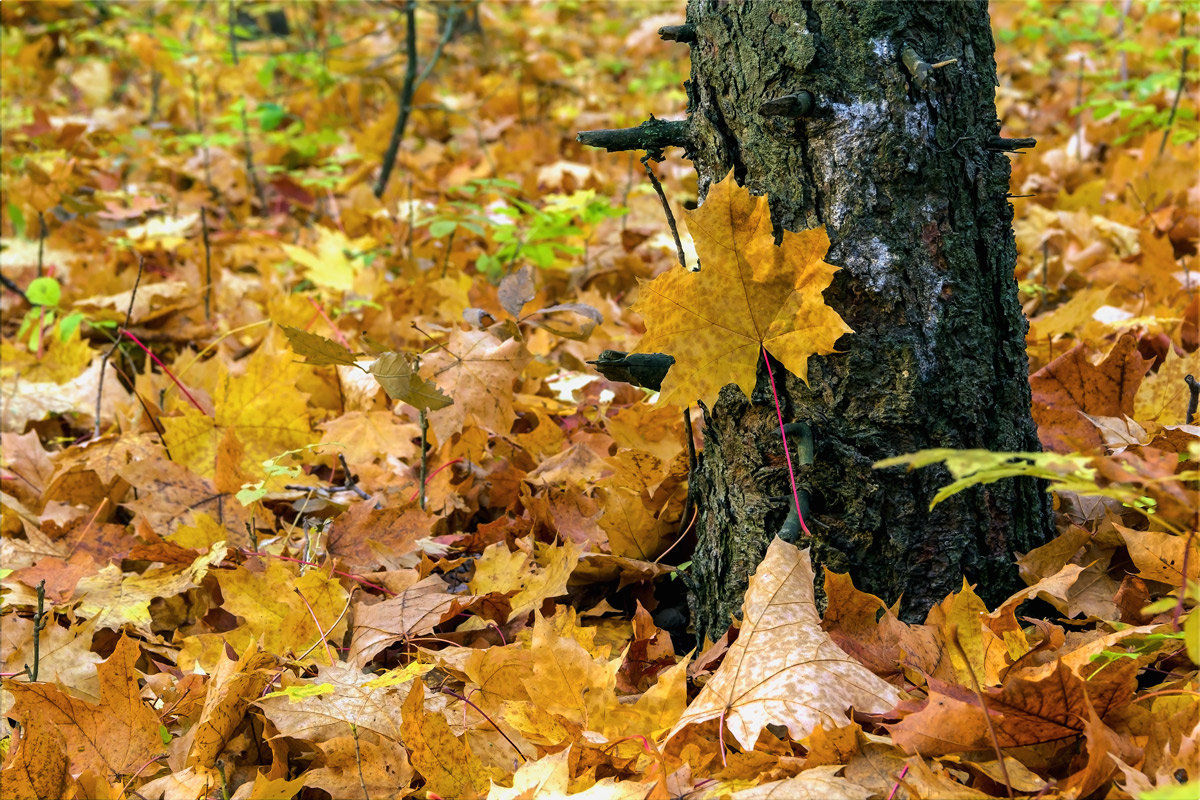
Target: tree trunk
x=902 y=162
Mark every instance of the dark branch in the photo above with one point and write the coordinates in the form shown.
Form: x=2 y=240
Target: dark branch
x=685 y=34
x=1001 y=144
x=652 y=136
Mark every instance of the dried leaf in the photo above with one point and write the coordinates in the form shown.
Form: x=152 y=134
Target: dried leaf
x=783 y=669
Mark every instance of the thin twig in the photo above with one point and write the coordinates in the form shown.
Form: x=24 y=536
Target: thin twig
x=205 y=151
x=332 y=627
x=195 y=403
x=358 y=758
x=351 y=481
x=250 y=171
x=983 y=704
x=116 y=343
x=684 y=526
x=1179 y=88
x=39 y=623
x=208 y=282
x=452 y=693
x=666 y=208
x=41 y=243
x=433 y=474
x=787 y=455
x=424 y=456
x=411 y=81
x=896 y=785
x=12 y=287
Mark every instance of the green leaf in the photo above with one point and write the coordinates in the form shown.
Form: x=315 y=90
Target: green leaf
x=318 y=350
x=442 y=227
x=44 y=291
x=18 y=219
x=302 y=691
x=69 y=324
x=251 y=493
x=271 y=115
x=974 y=467
x=1172 y=791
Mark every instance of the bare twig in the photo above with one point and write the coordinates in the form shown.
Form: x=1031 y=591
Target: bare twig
x=424 y=455
x=116 y=343
x=205 y=151
x=1179 y=88
x=12 y=287
x=667 y=209
x=411 y=81
x=41 y=243
x=208 y=282
x=987 y=718
x=358 y=758
x=452 y=693
x=250 y=171
x=406 y=96
x=39 y=623
x=351 y=481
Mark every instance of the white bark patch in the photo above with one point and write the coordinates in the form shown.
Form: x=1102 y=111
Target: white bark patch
x=872 y=263
x=850 y=142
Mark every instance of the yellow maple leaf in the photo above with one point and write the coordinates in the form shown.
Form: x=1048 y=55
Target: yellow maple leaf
x=331 y=262
x=258 y=416
x=749 y=295
x=535 y=579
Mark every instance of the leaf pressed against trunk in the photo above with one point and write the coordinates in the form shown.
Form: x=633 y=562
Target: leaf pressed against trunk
x=783 y=668
x=748 y=295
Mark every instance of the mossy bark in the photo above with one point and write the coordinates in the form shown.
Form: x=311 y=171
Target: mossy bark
x=895 y=161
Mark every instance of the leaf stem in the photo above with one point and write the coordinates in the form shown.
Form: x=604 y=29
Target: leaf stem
x=783 y=434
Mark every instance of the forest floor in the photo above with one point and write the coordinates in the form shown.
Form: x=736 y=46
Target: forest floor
x=309 y=492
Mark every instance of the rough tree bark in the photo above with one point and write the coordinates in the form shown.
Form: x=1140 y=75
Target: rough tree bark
x=843 y=114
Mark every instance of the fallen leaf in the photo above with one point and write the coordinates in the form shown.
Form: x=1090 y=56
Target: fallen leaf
x=1022 y=712
x=1071 y=383
x=118 y=736
x=414 y=612
x=446 y=763
x=476 y=370
x=233 y=686
x=783 y=669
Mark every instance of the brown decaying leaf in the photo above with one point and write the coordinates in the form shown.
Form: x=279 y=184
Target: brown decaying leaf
x=475 y=370
x=414 y=612
x=783 y=669
x=1022 y=712
x=118 y=736
x=233 y=686
x=1071 y=384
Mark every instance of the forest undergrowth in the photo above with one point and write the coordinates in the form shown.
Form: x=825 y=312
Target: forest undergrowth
x=309 y=490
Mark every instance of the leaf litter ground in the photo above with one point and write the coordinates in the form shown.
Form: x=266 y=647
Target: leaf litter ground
x=483 y=622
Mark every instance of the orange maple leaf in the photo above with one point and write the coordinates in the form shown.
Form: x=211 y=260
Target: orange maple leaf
x=1071 y=383
x=118 y=736
x=749 y=295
